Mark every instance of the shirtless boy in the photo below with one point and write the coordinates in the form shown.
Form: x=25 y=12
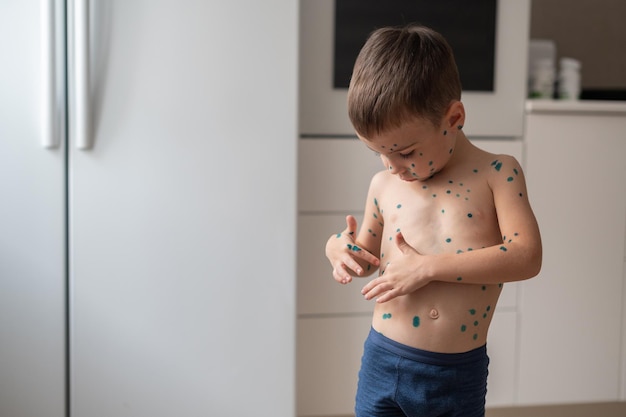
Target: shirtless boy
x=445 y=224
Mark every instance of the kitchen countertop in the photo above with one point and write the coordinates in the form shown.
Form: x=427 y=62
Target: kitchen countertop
x=575 y=106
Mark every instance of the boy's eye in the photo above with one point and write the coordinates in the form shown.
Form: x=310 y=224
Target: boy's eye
x=407 y=155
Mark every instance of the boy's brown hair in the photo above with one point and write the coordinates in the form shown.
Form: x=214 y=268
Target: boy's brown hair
x=402 y=73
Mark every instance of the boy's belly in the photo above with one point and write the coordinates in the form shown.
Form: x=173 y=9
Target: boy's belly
x=441 y=317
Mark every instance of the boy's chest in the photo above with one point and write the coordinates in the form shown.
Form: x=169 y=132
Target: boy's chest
x=441 y=216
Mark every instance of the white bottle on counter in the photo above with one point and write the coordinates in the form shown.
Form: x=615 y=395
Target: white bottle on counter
x=569 y=79
x=542 y=79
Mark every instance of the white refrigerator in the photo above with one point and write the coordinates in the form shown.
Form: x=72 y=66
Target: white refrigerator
x=147 y=208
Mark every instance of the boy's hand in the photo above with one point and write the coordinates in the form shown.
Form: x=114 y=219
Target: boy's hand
x=404 y=276
x=344 y=254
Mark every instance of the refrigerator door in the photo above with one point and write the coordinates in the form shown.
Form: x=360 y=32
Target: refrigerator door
x=32 y=225
x=182 y=211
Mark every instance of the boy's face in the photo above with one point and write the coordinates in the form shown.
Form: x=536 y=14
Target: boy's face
x=416 y=150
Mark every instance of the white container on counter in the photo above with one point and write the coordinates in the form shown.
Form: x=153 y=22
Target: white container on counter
x=569 y=79
x=542 y=79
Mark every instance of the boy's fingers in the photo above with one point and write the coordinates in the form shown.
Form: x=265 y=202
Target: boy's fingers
x=351 y=225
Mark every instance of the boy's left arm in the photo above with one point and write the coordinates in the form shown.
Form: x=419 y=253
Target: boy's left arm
x=518 y=257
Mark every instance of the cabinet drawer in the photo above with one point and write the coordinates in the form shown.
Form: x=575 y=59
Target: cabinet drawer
x=502 y=350
x=328 y=361
x=318 y=292
x=334 y=174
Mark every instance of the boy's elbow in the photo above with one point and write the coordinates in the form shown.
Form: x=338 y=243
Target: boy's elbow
x=534 y=262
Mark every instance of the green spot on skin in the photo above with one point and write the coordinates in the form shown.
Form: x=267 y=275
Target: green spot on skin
x=375 y=215
x=485 y=315
x=416 y=321
x=484 y=288
x=353 y=248
x=503 y=248
x=475 y=336
x=459 y=278
x=475 y=171
x=472 y=311
x=338 y=235
x=509 y=179
x=448 y=240
x=463 y=327
x=430 y=163
x=476 y=323
x=386 y=316
x=399 y=206
x=488 y=308
x=434 y=195
x=515 y=171
x=448 y=191
x=470 y=215
x=497 y=165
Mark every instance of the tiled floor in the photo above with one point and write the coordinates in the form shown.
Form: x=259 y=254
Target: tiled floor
x=572 y=410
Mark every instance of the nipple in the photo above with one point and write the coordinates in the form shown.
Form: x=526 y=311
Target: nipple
x=434 y=314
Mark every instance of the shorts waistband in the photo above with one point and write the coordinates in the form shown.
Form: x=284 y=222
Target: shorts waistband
x=425 y=356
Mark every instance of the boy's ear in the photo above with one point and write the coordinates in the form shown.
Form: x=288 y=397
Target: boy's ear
x=455 y=116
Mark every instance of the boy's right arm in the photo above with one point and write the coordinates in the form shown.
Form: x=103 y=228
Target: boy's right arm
x=346 y=256
x=352 y=255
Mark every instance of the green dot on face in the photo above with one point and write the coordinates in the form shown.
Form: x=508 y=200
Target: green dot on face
x=472 y=311
x=448 y=240
x=463 y=327
x=416 y=321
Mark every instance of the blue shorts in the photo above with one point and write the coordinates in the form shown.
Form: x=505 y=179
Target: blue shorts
x=401 y=381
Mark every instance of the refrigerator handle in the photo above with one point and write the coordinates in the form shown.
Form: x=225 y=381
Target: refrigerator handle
x=82 y=127
x=49 y=132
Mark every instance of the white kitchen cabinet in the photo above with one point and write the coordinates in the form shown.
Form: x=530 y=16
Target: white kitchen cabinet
x=571 y=314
